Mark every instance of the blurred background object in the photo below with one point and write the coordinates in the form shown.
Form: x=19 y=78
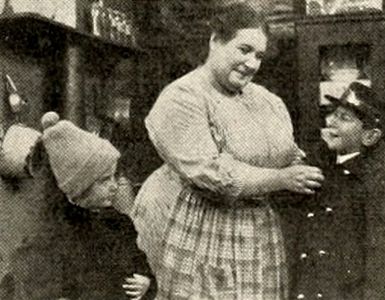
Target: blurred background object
x=331 y=7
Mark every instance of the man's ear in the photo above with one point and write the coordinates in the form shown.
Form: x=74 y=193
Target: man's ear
x=371 y=137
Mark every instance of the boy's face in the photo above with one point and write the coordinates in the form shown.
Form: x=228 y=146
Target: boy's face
x=344 y=132
x=102 y=192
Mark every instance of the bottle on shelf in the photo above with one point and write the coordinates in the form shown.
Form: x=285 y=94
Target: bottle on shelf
x=95 y=15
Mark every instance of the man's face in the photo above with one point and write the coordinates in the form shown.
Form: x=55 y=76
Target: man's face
x=344 y=131
x=236 y=61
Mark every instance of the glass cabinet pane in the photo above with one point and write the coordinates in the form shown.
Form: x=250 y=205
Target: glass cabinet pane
x=340 y=65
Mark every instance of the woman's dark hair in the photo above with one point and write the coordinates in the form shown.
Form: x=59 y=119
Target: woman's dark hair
x=227 y=20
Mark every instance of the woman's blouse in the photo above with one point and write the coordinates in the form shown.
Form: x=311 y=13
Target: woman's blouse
x=212 y=140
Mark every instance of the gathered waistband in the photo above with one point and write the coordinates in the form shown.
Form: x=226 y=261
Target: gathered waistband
x=222 y=200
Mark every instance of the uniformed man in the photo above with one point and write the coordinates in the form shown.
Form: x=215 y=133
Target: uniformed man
x=341 y=239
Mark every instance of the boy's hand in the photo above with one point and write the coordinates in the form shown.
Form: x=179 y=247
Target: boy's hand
x=136 y=286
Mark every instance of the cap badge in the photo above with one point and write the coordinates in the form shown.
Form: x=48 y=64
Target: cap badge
x=352 y=99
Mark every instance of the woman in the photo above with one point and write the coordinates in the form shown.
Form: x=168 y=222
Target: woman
x=204 y=218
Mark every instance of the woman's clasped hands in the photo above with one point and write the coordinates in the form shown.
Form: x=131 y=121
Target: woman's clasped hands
x=301 y=178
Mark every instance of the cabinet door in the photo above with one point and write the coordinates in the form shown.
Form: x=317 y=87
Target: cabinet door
x=348 y=33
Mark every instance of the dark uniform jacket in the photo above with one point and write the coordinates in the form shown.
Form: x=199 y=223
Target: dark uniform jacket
x=331 y=254
x=374 y=178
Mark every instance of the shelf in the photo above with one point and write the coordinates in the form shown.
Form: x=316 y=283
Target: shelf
x=30 y=26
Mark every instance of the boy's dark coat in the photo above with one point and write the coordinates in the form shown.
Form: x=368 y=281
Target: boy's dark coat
x=104 y=252
x=84 y=256
x=330 y=259
x=374 y=178
x=352 y=234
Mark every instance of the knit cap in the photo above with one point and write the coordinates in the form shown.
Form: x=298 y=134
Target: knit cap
x=77 y=158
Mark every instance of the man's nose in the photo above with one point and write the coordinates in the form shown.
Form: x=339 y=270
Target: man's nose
x=331 y=119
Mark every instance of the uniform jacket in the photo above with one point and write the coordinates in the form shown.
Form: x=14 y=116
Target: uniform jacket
x=330 y=260
x=374 y=178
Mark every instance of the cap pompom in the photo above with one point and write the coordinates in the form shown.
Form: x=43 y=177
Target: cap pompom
x=49 y=119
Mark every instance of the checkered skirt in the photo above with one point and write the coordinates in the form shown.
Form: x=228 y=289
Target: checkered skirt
x=219 y=252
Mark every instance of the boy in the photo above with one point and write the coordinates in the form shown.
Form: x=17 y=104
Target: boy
x=337 y=223
x=98 y=257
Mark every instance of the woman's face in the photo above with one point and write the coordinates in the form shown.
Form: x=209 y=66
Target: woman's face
x=235 y=62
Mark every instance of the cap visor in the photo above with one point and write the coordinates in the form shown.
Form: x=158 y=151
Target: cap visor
x=333 y=99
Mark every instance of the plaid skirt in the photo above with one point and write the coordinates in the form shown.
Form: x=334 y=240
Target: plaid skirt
x=218 y=252
x=199 y=249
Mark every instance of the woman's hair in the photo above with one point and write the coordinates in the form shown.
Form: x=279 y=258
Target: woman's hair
x=227 y=20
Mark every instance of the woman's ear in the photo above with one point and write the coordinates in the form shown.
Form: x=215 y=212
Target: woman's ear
x=371 y=137
x=212 y=41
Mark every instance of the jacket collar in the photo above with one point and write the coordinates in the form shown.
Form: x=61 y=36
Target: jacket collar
x=355 y=165
x=344 y=158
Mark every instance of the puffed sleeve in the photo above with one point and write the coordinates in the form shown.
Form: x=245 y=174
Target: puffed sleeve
x=179 y=128
x=178 y=125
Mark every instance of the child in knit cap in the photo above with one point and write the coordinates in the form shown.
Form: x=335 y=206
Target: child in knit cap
x=101 y=259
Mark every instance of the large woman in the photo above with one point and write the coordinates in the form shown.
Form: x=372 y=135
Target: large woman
x=204 y=218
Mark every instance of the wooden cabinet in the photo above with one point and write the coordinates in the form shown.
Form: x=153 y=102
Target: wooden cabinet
x=318 y=34
x=86 y=79
x=54 y=66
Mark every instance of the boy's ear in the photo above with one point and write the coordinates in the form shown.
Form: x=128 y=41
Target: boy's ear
x=371 y=137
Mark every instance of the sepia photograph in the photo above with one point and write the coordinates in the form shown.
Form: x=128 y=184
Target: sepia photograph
x=192 y=150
